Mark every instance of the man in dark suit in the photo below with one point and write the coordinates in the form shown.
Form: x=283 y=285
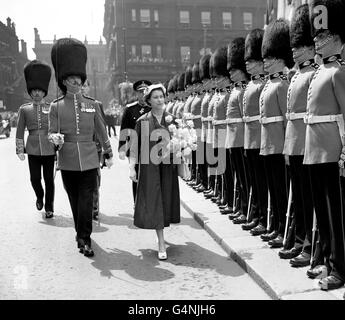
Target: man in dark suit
x=132 y=112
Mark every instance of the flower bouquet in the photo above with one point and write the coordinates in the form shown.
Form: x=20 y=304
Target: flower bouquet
x=183 y=141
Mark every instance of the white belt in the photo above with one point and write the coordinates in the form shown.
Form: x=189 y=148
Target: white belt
x=290 y=116
x=195 y=117
x=247 y=119
x=209 y=119
x=265 y=120
x=234 y=120
x=218 y=122
x=204 y=119
x=311 y=119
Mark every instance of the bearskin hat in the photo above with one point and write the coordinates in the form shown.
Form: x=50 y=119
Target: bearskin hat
x=335 y=16
x=218 y=61
x=253 y=44
x=188 y=76
x=276 y=42
x=37 y=76
x=180 y=82
x=196 y=73
x=236 y=55
x=300 y=29
x=204 y=67
x=171 y=85
x=69 y=57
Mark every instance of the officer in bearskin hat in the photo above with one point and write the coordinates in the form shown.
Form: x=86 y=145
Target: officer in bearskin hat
x=33 y=116
x=252 y=133
x=303 y=53
x=325 y=139
x=235 y=126
x=277 y=56
x=74 y=119
x=132 y=112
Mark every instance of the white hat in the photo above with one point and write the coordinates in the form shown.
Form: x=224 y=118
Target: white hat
x=152 y=87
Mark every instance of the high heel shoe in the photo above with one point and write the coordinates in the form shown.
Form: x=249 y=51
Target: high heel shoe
x=162 y=255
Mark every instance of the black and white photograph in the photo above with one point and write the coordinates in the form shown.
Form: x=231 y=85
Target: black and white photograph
x=172 y=156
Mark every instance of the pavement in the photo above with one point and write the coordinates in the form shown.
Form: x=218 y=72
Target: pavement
x=278 y=279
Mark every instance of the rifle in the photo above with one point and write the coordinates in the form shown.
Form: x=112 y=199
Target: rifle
x=249 y=203
x=288 y=214
x=313 y=239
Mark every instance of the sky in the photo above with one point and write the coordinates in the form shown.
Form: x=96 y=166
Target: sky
x=62 y=18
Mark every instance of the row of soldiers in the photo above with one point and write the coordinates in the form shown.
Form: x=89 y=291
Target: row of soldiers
x=269 y=108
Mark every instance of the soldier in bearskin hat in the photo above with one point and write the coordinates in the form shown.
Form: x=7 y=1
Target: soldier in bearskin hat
x=277 y=56
x=33 y=116
x=211 y=153
x=303 y=53
x=325 y=139
x=181 y=94
x=219 y=65
x=204 y=71
x=252 y=133
x=171 y=94
x=195 y=116
x=235 y=126
x=74 y=119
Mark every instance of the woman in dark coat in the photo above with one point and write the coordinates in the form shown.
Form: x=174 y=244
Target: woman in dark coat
x=158 y=199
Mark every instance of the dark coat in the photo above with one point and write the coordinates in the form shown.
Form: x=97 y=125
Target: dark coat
x=158 y=197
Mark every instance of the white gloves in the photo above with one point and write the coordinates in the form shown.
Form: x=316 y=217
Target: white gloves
x=21 y=156
x=122 y=155
x=109 y=162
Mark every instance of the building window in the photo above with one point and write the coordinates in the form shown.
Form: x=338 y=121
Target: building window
x=184 y=18
x=133 y=51
x=134 y=15
x=185 y=54
x=145 y=17
x=156 y=18
x=205 y=17
x=146 y=52
x=248 y=20
x=227 y=20
x=159 y=52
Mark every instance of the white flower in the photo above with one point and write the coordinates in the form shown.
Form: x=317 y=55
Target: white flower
x=194 y=146
x=190 y=123
x=183 y=144
x=179 y=122
x=178 y=154
x=168 y=118
x=172 y=128
x=187 y=151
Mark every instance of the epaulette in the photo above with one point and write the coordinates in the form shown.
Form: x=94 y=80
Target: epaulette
x=25 y=104
x=131 y=104
x=58 y=99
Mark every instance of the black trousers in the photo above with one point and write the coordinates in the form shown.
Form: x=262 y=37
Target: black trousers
x=80 y=186
x=327 y=199
x=237 y=158
x=36 y=163
x=202 y=165
x=276 y=177
x=302 y=203
x=258 y=183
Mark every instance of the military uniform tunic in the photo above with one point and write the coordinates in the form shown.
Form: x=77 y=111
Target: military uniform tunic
x=35 y=119
x=204 y=115
x=296 y=105
x=219 y=119
x=131 y=114
x=251 y=98
x=209 y=133
x=78 y=118
x=326 y=96
x=273 y=105
x=235 y=131
x=196 y=110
